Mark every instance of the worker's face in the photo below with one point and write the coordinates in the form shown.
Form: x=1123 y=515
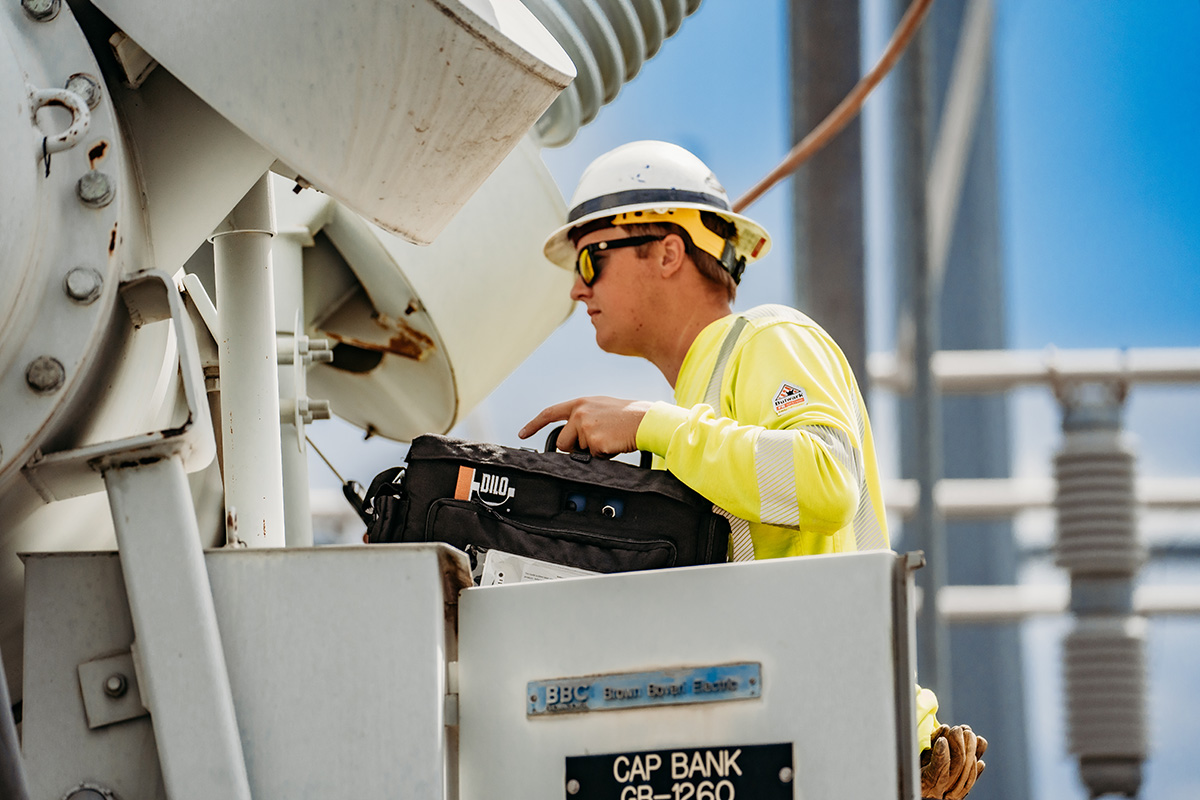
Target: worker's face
x=616 y=300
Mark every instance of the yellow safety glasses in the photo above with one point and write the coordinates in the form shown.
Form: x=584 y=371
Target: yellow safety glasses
x=588 y=266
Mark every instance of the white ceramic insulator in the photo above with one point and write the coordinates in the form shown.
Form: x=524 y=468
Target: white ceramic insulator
x=1096 y=505
x=608 y=40
x=1105 y=659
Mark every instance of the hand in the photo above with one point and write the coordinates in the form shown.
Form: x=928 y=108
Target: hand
x=604 y=426
x=950 y=767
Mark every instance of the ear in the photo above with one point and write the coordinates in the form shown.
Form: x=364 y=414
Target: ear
x=674 y=255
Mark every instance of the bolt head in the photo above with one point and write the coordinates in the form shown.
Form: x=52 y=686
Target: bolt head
x=116 y=685
x=786 y=775
x=88 y=792
x=572 y=786
x=45 y=374
x=83 y=284
x=41 y=10
x=95 y=189
x=86 y=87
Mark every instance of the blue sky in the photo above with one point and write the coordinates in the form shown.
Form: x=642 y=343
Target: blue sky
x=1098 y=103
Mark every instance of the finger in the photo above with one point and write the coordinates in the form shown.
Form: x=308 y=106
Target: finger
x=958 y=748
x=972 y=776
x=933 y=775
x=570 y=438
x=555 y=413
x=966 y=775
x=980 y=746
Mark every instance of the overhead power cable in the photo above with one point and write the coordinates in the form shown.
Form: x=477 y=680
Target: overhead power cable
x=846 y=110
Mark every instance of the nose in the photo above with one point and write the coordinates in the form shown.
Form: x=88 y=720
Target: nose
x=579 y=289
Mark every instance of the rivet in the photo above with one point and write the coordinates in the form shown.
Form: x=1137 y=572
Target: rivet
x=83 y=284
x=786 y=775
x=116 y=685
x=45 y=374
x=41 y=10
x=86 y=87
x=572 y=786
x=95 y=189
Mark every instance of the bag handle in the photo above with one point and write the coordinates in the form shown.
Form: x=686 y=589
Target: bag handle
x=646 y=457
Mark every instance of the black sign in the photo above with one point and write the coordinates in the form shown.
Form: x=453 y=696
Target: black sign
x=727 y=772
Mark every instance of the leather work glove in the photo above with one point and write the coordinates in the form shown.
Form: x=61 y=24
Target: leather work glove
x=950 y=767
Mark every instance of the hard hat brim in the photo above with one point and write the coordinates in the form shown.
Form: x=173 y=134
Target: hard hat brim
x=753 y=242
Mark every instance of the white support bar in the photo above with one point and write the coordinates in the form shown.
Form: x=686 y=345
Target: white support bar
x=988 y=498
x=964 y=604
x=985 y=371
x=181 y=662
x=250 y=436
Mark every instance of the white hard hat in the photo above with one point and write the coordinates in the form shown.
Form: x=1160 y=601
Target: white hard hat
x=650 y=181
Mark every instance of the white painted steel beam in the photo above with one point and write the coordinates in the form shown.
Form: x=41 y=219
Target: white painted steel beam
x=965 y=604
x=987 y=498
x=182 y=671
x=983 y=371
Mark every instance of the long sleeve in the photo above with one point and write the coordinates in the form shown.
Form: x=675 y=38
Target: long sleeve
x=785 y=449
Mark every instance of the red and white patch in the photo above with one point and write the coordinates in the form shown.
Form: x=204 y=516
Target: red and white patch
x=788 y=396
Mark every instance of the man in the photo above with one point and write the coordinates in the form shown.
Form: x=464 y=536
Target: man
x=768 y=422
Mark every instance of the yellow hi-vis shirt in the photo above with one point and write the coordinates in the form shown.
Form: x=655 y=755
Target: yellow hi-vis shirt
x=772 y=429
x=769 y=425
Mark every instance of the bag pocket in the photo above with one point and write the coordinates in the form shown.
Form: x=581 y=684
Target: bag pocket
x=462 y=523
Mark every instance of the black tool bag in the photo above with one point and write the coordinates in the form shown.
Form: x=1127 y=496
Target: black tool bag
x=571 y=509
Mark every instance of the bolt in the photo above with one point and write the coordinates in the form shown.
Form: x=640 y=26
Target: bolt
x=116 y=685
x=572 y=786
x=87 y=791
x=95 y=189
x=45 y=374
x=86 y=87
x=786 y=775
x=41 y=10
x=83 y=284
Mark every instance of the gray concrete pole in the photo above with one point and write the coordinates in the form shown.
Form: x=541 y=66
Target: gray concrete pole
x=827 y=192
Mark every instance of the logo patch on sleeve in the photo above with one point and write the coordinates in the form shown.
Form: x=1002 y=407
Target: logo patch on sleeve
x=788 y=396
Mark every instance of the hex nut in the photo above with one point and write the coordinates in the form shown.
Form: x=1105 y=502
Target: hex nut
x=95 y=189
x=83 y=284
x=41 y=10
x=86 y=87
x=45 y=374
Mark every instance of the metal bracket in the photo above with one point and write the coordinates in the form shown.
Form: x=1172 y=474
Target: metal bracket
x=110 y=690
x=149 y=296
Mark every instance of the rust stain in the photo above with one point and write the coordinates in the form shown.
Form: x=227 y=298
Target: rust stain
x=97 y=152
x=403 y=339
x=112 y=240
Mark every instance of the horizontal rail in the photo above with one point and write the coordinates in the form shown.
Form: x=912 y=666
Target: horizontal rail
x=988 y=498
x=986 y=371
x=965 y=604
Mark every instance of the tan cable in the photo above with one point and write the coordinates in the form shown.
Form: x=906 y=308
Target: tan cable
x=846 y=110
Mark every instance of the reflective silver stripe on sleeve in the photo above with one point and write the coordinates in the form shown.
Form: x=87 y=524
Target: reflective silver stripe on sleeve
x=739 y=536
x=840 y=446
x=775 y=466
x=713 y=395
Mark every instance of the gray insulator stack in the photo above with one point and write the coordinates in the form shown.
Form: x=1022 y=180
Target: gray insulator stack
x=608 y=40
x=1104 y=655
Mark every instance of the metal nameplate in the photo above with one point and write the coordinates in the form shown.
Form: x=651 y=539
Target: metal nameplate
x=725 y=772
x=640 y=689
